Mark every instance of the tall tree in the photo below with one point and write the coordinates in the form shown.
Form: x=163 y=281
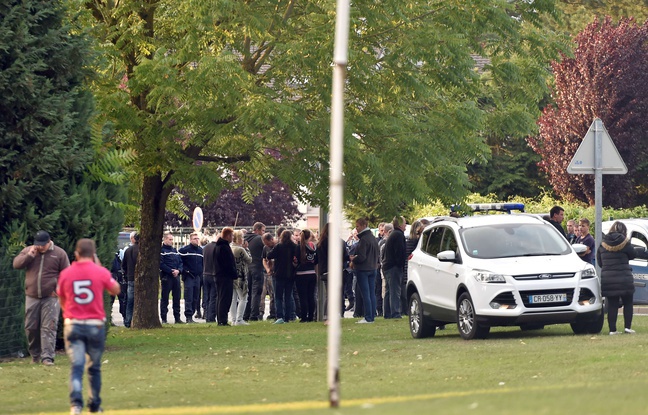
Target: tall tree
x=203 y=89
x=605 y=79
x=579 y=13
x=45 y=149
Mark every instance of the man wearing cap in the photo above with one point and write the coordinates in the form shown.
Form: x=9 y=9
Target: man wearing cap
x=42 y=263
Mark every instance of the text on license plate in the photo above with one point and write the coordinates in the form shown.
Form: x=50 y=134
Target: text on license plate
x=547 y=298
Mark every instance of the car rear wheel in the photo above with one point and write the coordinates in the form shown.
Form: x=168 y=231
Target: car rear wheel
x=419 y=326
x=467 y=320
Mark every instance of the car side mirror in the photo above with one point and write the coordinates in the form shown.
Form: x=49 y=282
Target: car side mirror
x=446 y=256
x=579 y=248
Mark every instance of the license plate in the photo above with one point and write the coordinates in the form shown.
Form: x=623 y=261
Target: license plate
x=547 y=298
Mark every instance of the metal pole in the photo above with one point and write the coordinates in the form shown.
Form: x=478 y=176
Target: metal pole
x=598 y=181
x=337 y=196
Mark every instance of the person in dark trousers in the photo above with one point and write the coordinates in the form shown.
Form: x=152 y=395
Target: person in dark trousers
x=192 y=268
x=365 y=265
x=80 y=290
x=556 y=217
x=128 y=265
x=256 y=278
x=209 y=281
x=306 y=277
x=225 y=272
x=118 y=275
x=394 y=264
x=617 y=280
x=170 y=270
x=284 y=255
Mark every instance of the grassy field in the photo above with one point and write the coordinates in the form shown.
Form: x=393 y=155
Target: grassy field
x=261 y=368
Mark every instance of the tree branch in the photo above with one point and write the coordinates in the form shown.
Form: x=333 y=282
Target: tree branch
x=218 y=159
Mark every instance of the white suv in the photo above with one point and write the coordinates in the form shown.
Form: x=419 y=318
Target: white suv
x=499 y=270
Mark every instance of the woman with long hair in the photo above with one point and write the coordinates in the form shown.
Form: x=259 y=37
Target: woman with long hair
x=305 y=277
x=285 y=259
x=617 y=281
x=242 y=257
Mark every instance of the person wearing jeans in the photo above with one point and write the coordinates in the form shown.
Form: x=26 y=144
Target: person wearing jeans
x=80 y=290
x=394 y=264
x=284 y=255
x=365 y=264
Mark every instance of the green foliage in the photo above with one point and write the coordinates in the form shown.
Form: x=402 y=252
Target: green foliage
x=45 y=148
x=580 y=13
x=539 y=204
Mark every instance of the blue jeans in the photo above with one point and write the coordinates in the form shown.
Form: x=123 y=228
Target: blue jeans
x=393 y=278
x=367 y=283
x=130 y=300
x=82 y=340
x=283 y=297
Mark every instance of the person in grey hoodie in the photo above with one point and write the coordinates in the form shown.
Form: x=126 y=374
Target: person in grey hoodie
x=365 y=265
x=617 y=281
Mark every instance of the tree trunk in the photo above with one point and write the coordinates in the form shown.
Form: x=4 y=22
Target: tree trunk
x=147 y=270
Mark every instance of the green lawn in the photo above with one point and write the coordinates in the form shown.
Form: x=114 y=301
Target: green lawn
x=262 y=368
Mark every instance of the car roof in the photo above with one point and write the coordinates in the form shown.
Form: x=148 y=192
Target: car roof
x=641 y=222
x=486 y=220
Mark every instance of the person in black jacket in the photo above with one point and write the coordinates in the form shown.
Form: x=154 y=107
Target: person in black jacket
x=284 y=255
x=225 y=274
x=394 y=265
x=209 y=282
x=192 y=268
x=128 y=266
x=170 y=270
x=365 y=264
x=617 y=282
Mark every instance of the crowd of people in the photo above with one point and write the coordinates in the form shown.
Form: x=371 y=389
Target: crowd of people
x=227 y=277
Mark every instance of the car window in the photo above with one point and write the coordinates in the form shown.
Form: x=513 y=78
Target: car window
x=449 y=242
x=512 y=240
x=639 y=240
x=431 y=244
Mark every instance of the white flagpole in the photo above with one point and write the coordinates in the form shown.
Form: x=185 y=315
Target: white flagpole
x=336 y=195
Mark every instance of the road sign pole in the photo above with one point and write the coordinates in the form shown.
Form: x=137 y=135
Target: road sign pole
x=598 y=182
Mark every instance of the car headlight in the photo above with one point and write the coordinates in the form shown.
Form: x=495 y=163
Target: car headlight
x=488 y=277
x=587 y=273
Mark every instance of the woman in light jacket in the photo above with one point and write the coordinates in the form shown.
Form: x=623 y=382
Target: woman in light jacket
x=240 y=296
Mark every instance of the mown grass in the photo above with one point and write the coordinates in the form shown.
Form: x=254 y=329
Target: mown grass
x=263 y=368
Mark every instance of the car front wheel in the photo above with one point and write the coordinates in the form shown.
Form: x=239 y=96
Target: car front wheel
x=467 y=320
x=419 y=326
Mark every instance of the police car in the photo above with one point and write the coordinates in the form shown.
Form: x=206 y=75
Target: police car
x=499 y=270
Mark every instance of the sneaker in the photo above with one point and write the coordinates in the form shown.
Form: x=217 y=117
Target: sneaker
x=190 y=320
x=164 y=321
x=178 y=321
x=629 y=331
x=612 y=333
x=363 y=321
x=48 y=362
x=75 y=410
x=279 y=321
x=98 y=410
x=35 y=360
x=242 y=323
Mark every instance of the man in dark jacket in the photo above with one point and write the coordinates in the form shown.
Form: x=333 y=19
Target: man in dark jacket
x=394 y=264
x=225 y=274
x=170 y=270
x=209 y=281
x=255 y=273
x=192 y=268
x=556 y=216
x=128 y=266
x=365 y=264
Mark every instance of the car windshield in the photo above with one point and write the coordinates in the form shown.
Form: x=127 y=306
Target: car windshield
x=513 y=240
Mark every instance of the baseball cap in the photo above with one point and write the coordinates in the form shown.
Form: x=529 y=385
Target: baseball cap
x=42 y=238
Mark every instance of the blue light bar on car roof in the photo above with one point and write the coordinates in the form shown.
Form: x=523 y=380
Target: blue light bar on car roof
x=485 y=207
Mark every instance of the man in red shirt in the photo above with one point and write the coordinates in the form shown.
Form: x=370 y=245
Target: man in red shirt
x=80 y=290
